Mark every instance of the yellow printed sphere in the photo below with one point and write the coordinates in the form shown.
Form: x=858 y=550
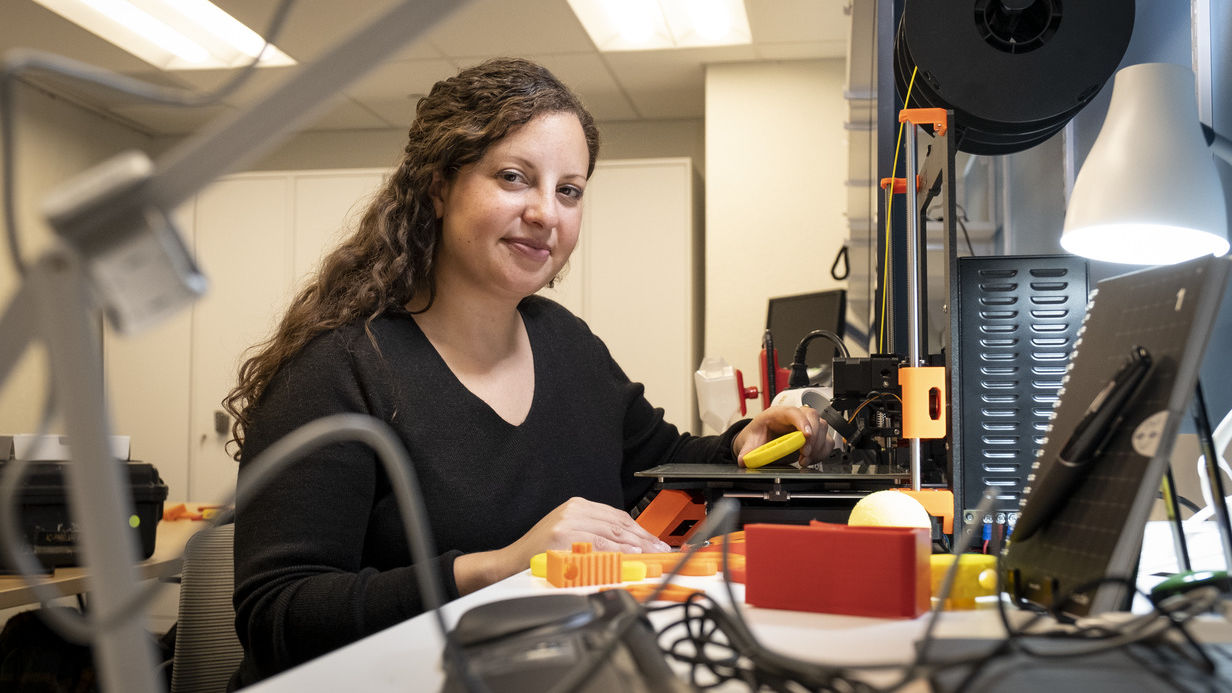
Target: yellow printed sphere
x=889 y=509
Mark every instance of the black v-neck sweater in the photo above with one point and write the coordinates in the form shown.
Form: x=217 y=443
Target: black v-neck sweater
x=321 y=559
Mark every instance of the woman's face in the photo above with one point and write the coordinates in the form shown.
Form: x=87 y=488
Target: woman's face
x=511 y=219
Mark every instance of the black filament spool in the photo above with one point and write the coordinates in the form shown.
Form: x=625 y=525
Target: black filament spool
x=1013 y=71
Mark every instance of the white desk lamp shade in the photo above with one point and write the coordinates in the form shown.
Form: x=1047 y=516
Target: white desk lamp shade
x=1148 y=192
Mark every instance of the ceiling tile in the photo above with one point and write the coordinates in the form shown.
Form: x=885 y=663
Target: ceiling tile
x=257 y=84
x=28 y=25
x=670 y=84
x=588 y=75
x=802 y=50
x=615 y=86
x=169 y=120
x=407 y=79
x=392 y=89
x=394 y=113
x=793 y=21
x=502 y=27
x=310 y=27
x=342 y=113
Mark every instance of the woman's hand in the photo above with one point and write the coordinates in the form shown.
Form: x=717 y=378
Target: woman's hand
x=577 y=519
x=779 y=420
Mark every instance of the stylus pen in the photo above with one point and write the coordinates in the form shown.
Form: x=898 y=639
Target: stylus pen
x=1172 y=509
x=1052 y=488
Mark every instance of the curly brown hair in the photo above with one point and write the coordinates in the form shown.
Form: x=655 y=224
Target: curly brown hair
x=389 y=258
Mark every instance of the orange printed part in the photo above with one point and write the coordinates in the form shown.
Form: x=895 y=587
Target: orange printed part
x=671 y=593
x=697 y=565
x=923 y=401
x=672 y=516
x=735 y=541
x=582 y=566
x=900 y=184
x=737 y=568
x=939 y=502
x=935 y=117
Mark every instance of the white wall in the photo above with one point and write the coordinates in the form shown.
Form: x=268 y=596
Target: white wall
x=776 y=156
x=55 y=140
x=339 y=149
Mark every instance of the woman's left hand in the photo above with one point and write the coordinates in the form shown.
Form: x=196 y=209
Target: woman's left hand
x=779 y=420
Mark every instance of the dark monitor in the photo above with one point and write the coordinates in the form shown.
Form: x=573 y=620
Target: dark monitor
x=790 y=318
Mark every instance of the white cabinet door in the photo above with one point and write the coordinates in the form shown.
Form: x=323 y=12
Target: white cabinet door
x=641 y=279
x=327 y=206
x=244 y=244
x=261 y=235
x=147 y=386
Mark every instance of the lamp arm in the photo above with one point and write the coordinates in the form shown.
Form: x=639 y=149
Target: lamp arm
x=118 y=214
x=115 y=220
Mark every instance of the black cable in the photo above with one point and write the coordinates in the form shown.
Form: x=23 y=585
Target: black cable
x=1189 y=505
x=841 y=257
x=723 y=513
x=799 y=369
x=966 y=236
x=961 y=216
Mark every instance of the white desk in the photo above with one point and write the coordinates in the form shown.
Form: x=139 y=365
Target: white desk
x=408 y=656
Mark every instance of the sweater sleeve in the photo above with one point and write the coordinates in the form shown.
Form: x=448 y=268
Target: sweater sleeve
x=304 y=582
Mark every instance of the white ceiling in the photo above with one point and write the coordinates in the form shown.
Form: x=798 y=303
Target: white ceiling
x=648 y=85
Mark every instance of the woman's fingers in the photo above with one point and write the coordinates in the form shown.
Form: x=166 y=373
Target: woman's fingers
x=601 y=524
x=779 y=420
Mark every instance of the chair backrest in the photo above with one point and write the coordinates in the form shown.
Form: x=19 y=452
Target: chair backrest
x=207 y=650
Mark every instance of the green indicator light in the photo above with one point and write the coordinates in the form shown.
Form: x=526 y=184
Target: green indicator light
x=134 y=521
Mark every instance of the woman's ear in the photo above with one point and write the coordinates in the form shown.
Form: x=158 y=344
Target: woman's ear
x=436 y=191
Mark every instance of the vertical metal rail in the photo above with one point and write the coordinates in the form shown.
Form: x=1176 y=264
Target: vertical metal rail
x=914 y=288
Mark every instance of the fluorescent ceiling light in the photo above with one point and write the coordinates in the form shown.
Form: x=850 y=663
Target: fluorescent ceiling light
x=171 y=34
x=638 y=25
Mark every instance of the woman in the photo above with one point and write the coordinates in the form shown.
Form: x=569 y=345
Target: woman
x=524 y=433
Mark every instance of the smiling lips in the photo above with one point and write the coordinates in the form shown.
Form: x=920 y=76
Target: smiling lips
x=530 y=248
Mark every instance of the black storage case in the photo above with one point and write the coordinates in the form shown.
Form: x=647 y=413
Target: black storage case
x=49 y=528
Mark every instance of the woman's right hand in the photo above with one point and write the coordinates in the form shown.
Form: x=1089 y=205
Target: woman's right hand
x=575 y=520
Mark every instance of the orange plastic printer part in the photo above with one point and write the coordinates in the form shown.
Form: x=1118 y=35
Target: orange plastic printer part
x=923 y=401
x=672 y=516
x=836 y=569
x=939 y=502
x=935 y=117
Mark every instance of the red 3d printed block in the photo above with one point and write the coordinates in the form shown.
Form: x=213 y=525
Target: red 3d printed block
x=837 y=569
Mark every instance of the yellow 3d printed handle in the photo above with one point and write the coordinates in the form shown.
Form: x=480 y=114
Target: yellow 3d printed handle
x=775 y=449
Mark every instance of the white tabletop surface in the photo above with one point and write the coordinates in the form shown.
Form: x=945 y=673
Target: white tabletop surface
x=410 y=653
x=408 y=656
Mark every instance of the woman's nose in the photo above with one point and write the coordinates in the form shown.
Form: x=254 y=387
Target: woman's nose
x=541 y=209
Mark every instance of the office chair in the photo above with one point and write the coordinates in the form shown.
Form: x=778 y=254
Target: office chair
x=207 y=650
